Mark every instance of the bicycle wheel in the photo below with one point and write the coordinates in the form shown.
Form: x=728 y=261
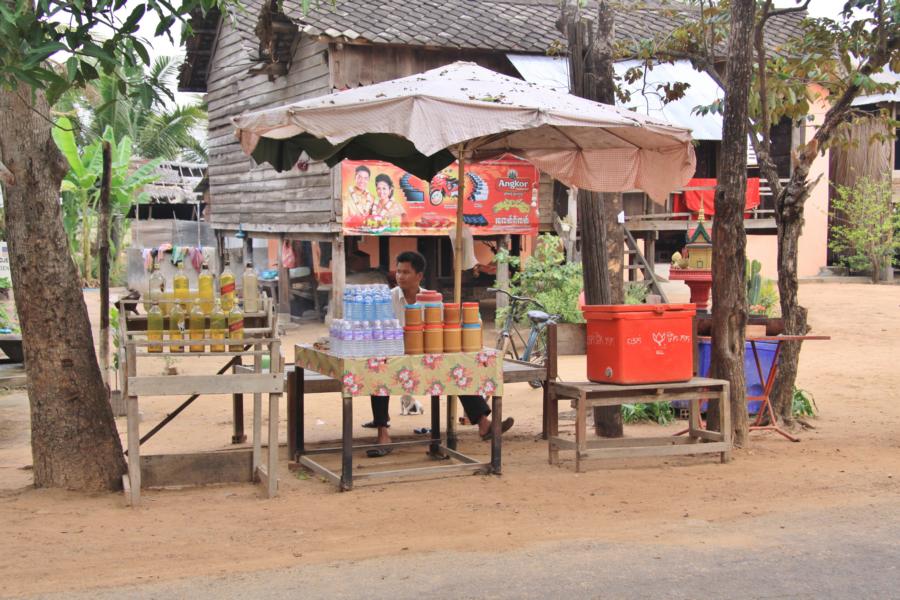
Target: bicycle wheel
x=538 y=356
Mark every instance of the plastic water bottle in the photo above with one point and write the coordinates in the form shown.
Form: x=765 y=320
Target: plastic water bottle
x=384 y=304
x=348 y=301
x=346 y=335
x=358 y=301
x=367 y=345
x=334 y=335
x=377 y=339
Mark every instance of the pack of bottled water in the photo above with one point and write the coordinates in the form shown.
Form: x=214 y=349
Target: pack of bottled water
x=359 y=339
x=368 y=303
x=369 y=326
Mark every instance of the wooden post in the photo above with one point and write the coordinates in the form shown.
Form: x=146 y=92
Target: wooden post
x=503 y=274
x=339 y=276
x=248 y=251
x=103 y=249
x=460 y=203
x=551 y=365
x=284 y=283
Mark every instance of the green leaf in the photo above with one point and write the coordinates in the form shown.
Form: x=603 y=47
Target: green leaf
x=72 y=69
x=131 y=23
x=64 y=137
x=93 y=50
x=142 y=52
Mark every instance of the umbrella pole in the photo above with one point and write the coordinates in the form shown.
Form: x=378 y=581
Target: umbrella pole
x=458 y=250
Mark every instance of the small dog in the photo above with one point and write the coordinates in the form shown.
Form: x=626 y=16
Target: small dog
x=411 y=406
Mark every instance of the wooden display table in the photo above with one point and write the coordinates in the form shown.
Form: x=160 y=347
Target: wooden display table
x=586 y=395
x=434 y=375
x=260 y=340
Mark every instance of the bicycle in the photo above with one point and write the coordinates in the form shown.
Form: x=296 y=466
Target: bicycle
x=535 y=347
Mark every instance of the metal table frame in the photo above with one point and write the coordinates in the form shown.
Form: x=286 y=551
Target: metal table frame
x=302 y=381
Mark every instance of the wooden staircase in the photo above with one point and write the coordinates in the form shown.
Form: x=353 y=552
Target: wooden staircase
x=637 y=262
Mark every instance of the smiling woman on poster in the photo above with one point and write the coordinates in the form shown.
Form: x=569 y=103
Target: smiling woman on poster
x=385 y=205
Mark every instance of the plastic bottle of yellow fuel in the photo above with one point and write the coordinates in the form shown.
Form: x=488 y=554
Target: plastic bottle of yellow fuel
x=182 y=288
x=236 y=327
x=198 y=327
x=176 y=327
x=157 y=288
x=251 y=289
x=206 y=289
x=218 y=327
x=226 y=287
x=154 y=328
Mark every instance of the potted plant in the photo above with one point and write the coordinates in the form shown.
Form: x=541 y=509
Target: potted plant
x=549 y=279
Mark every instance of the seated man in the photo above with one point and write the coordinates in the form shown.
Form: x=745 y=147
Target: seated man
x=410 y=270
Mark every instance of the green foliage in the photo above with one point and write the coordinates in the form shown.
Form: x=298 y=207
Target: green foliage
x=803 y=404
x=81 y=186
x=113 y=101
x=636 y=292
x=548 y=278
x=92 y=37
x=762 y=293
x=7 y=321
x=116 y=335
x=829 y=56
x=866 y=226
x=5 y=283
x=656 y=412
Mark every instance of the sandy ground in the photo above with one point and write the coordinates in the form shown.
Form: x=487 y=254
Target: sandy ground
x=58 y=541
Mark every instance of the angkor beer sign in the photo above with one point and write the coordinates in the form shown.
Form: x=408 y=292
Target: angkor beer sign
x=501 y=196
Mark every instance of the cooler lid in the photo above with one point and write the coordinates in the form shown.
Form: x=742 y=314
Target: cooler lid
x=614 y=309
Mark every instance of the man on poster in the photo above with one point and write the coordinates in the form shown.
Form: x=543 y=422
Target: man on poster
x=360 y=198
x=410 y=271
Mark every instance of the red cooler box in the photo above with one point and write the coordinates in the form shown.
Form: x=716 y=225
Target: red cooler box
x=641 y=343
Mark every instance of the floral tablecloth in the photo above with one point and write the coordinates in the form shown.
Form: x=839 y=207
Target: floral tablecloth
x=455 y=374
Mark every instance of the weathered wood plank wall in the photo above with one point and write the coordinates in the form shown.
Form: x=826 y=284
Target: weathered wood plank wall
x=259 y=198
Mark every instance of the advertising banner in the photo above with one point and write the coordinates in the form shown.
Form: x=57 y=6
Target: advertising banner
x=381 y=199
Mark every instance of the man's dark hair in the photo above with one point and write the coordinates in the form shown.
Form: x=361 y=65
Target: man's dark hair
x=363 y=168
x=413 y=258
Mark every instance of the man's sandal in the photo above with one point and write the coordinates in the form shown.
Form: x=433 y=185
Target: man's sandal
x=378 y=452
x=505 y=426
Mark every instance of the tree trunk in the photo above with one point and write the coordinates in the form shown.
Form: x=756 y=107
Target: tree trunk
x=729 y=239
x=74 y=441
x=591 y=66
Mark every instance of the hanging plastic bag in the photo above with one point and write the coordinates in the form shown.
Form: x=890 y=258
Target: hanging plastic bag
x=288 y=258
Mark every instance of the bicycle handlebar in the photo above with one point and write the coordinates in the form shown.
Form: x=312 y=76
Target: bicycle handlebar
x=515 y=298
x=512 y=296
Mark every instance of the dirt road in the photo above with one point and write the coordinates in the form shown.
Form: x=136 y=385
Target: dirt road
x=692 y=507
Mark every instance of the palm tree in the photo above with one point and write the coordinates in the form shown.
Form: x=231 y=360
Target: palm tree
x=157 y=128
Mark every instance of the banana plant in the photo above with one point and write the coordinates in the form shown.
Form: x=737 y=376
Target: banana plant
x=81 y=186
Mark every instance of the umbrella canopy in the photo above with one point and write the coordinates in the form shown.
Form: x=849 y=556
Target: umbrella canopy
x=419 y=122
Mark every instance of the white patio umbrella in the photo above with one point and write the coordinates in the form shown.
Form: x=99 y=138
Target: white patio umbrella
x=420 y=122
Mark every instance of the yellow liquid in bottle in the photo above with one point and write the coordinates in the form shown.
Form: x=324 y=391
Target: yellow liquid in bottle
x=226 y=289
x=176 y=327
x=154 y=328
x=251 y=290
x=198 y=328
x=236 y=328
x=218 y=327
x=206 y=290
x=182 y=288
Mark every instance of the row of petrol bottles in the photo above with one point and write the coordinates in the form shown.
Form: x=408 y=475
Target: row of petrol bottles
x=200 y=314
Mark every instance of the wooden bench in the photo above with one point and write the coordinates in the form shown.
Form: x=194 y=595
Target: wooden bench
x=585 y=395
